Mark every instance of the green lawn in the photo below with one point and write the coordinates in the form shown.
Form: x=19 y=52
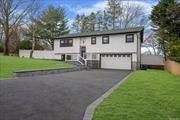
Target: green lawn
x=146 y=95
x=10 y=64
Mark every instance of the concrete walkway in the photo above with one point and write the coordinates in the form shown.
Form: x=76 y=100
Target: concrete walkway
x=55 y=97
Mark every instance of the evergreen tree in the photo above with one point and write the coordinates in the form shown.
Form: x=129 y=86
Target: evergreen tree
x=113 y=12
x=77 y=24
x=54 y=24
x=92 y=22
x=84 y=23
x=165 y=17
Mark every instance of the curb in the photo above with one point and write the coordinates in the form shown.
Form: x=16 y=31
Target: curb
x=91 y=108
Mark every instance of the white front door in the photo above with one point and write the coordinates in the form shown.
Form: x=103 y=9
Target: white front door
x=116 y=61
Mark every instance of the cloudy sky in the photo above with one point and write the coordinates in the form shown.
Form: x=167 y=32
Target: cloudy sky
x=74 y=7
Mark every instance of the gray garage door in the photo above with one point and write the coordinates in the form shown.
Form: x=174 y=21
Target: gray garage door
x=116 y=61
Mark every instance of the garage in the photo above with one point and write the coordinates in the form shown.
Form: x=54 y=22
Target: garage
x=116 y=61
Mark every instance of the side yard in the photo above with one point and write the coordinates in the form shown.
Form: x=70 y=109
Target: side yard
x=9 y=64
x=147 y=95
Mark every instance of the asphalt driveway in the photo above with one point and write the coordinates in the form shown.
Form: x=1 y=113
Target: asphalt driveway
x=54 y=97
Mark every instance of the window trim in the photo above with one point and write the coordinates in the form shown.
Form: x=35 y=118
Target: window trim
x=92 y=41
x=66 y=44
x=132 y=38
x=103 y=39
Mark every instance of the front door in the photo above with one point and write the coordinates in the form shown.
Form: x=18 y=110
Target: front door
x=82 y=50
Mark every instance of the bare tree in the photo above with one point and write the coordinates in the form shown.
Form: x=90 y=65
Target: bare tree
x=133 y=15
x=33 y=32
x=12 y=12
x=151 y=41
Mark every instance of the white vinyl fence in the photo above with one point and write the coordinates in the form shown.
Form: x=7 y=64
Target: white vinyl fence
x=40 y=54
x=152 y=60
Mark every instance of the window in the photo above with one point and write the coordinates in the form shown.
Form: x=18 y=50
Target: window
x=130 y=38
x=105 y=40
x=93 y=40
x=66 y=43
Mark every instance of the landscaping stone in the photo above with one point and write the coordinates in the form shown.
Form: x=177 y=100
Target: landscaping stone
x=27 y=73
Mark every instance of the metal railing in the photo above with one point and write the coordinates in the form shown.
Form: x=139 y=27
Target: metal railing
x=82 y=60
x=75 y=57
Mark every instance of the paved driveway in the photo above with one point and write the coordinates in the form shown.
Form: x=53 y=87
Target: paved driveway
x=54 y=97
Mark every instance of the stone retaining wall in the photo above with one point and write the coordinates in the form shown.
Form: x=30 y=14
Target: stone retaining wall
x=94 y=64
x=45 y=72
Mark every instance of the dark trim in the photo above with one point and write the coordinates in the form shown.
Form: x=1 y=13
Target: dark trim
x=131 y=62
x=82 y=50
x=132 y=38
x=137 y=67
x=64 y=53
x=113 y=53
x=66 y=43
x=141 y=35
x=100 y=61
x=93 y=43
x=96 y=35
x=101 y=53
x=106 y=36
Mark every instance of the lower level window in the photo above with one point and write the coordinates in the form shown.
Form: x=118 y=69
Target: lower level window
x=66 y=43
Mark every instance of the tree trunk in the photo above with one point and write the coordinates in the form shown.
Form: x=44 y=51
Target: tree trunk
x=52 y=44
x=6 y=47
x=33 y=45
x=6 y=32
x=164 y=50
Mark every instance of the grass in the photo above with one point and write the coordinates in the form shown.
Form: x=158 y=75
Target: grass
x=8 y=64
x=146 y=95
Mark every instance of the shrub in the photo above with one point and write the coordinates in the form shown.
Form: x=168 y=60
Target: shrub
x=175 y=52
x=25 y=44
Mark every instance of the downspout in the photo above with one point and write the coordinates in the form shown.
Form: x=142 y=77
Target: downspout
x=138 y=59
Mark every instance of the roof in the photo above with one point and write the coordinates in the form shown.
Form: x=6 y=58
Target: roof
x=110 y=32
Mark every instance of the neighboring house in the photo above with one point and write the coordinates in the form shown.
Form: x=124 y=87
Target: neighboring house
x=152 y=61
x=115 y=49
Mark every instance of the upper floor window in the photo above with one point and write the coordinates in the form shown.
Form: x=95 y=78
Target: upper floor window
x=130 y=38
x=105 y=40
x=93 y=40
x=66 y=43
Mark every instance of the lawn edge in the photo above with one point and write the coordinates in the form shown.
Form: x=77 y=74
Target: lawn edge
x=91 y=108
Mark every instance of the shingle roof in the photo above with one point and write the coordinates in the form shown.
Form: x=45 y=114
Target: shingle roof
x=110 y=32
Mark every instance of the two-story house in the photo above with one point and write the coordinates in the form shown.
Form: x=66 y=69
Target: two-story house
x=115 y=49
